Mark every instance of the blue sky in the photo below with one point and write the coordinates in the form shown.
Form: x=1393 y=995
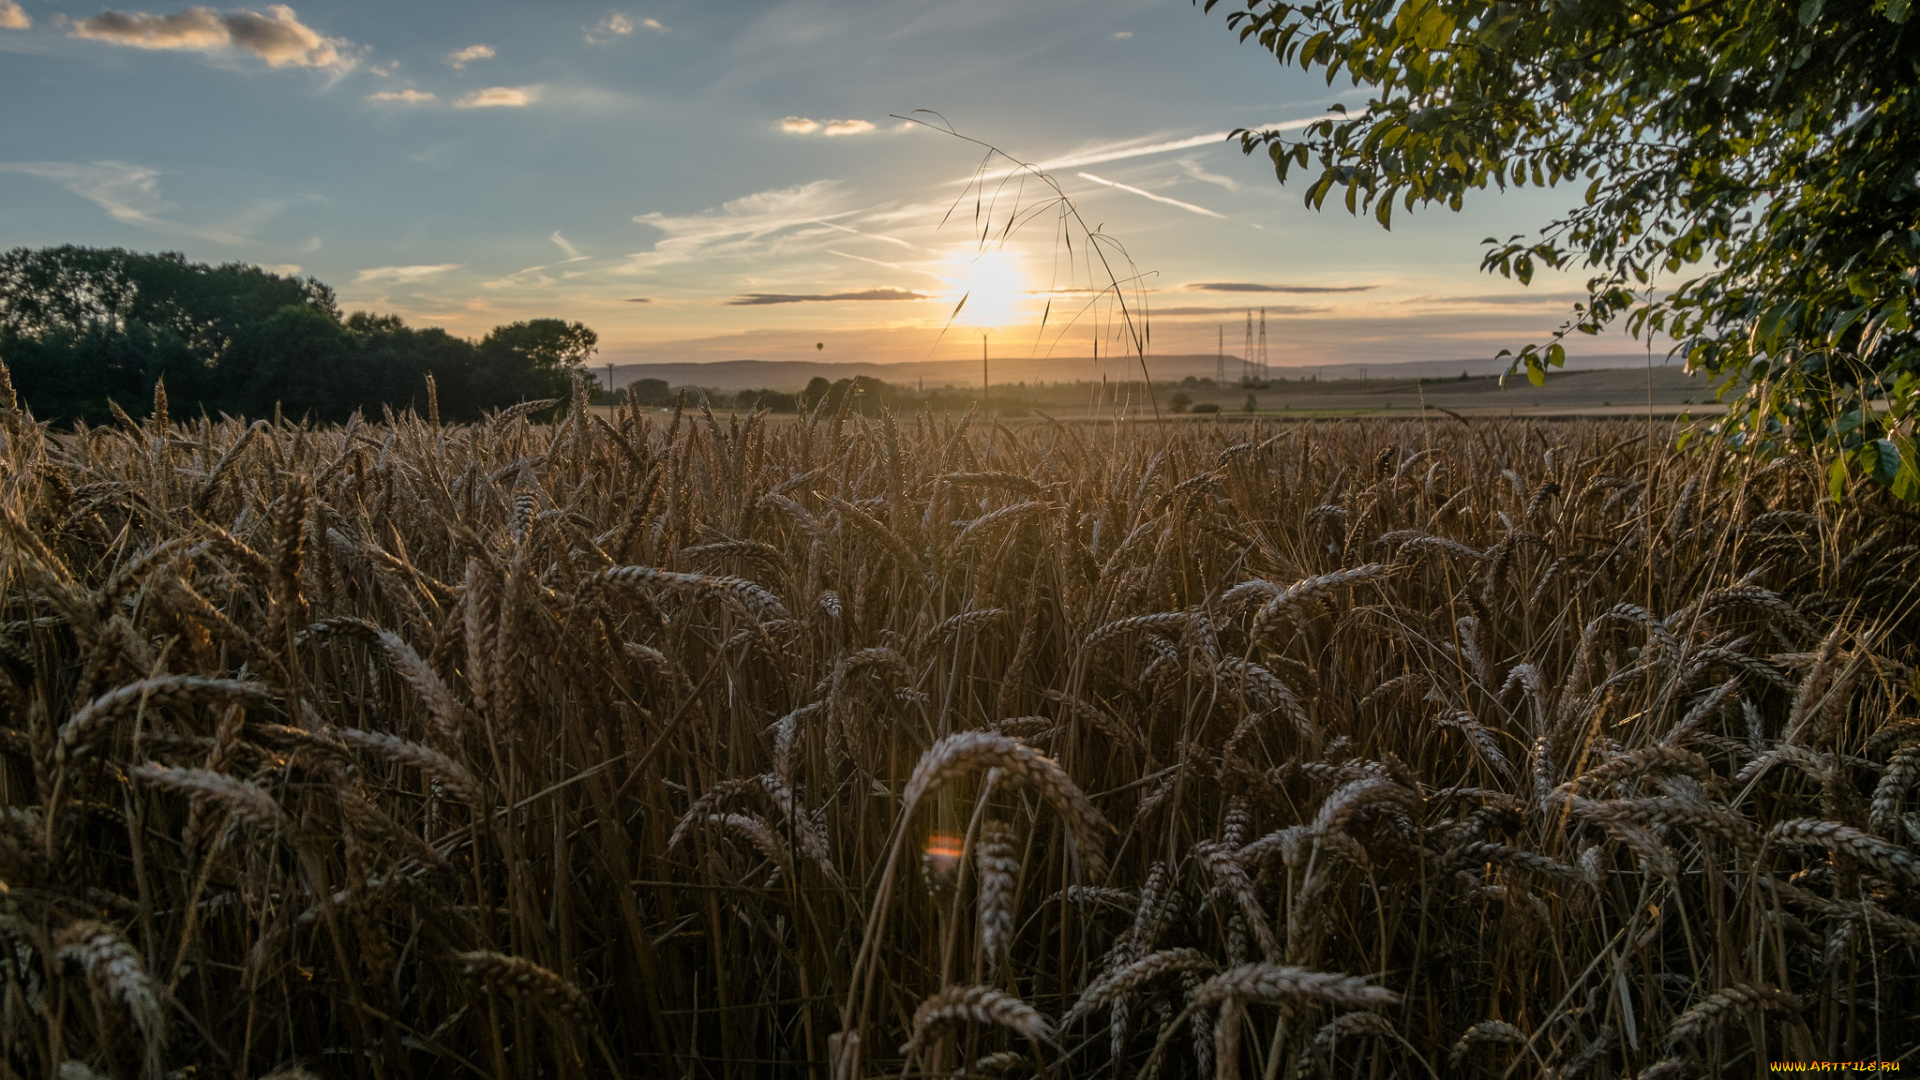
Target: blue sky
x=720 y=180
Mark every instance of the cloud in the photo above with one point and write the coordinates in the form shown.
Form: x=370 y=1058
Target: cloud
x=131 y=194
x=403 y=275
x=755 y=299
x=13 y=17
x=757 y=226
x=1131 y=190
x=500 y=97
x=1253 y=287
x=1122 y=35
x=620 y=25
x=283 y=269
x=1234 y=312
x=1133 y=148
x=1192 y=167
x=274 y=35
x=1503 y=299
x=410 y=97
x=801 y=125
x=566 y=246
x=128 y=193
x=639 y=299
x=460 y=58
x=383 y=70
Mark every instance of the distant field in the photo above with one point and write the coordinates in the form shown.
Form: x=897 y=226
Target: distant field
x=1619 y=392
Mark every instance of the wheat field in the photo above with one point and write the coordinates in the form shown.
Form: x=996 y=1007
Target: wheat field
x=914 y=746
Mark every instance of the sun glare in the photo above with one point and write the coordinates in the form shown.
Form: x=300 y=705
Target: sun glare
x=994 y=287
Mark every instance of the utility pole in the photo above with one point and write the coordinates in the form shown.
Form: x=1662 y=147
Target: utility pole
x=1263 y=344
x=1246 y=354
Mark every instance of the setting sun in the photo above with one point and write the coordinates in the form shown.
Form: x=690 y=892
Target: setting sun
x=993 y=284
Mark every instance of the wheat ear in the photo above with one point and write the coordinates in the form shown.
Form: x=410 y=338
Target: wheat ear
x=248 y=801
x=974 y=1005
x=970 y=751
x=522 y=977
x=999 y=869
x=113 y=968
x=1889 y=859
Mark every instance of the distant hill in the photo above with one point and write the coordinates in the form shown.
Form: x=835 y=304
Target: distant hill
x=792 y=375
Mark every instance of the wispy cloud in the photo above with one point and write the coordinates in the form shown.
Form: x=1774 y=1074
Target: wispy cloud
x=460 y=58
x=500 y=97
x=1133 y=148
x=801 y=125
x=620 y=24
x=1122 y=35
x=1232 y=313
x=565 y=245
x=756 y=299
x=408 y=97
x=1131 y=190
x=759 y=225
x=883 y=238
x=1256 y=287
x=1192 y=167
x=13 y=16
x=275 y=35
x=131 y=194
x=1501 y=299
x=401 y=275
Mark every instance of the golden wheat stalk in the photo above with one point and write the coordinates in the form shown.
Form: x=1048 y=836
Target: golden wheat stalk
x=981 y=1005
x=521 y=977
x=972 y=751
x=247 y=801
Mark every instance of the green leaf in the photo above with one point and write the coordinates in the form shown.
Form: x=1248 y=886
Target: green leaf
x=1879 y=459
x=1906 y=485
x=1536 y=374
x=1897 y=316
x=1810 y=11
x=1837 y=477
x=1897 y=11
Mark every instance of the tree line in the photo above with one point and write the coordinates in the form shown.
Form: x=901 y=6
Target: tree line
x=870 y=396
x=85 y=329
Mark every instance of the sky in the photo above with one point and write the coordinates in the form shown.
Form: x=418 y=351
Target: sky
x=721 y=179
